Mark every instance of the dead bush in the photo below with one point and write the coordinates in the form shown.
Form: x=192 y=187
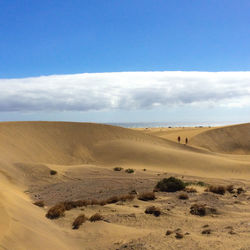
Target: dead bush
x=78 y=221
x=147 y=196
x=56 y=211
x=39 y=203
x=202 y=210
x=217 y=189
x=96 y=217
x=153 y=210
x=183 y=196
x=94 y=202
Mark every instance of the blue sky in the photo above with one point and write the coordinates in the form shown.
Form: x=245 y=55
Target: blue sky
x=40 y=38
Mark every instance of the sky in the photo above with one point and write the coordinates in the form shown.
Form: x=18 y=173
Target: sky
x=125 y=60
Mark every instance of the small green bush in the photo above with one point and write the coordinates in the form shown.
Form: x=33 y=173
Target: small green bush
x=129 y=170
x=170 y=184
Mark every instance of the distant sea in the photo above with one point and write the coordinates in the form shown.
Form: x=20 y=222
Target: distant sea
x=168 y=124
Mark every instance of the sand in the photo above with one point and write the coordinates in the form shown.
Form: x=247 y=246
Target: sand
x=84 y=155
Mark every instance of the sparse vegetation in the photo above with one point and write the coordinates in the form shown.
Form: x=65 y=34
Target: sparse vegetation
x=206 y=231
x=126 y=197
x=196 y=183
x=39 y=203
x=153 y=210
x=117 y=169
x=129 y=170
x=183 y=196
x=147 y=196
x=217 y=189
x=56 y=211
x=53 y=172
x=240 y=190
x=79 y=221
x=190 y=190
x=202 y=210
x=96 y=217
x=179 y=235
x=170 y=184
x=169 y=232
x=230 y=189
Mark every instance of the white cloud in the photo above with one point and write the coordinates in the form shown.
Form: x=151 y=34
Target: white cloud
x=125 y=90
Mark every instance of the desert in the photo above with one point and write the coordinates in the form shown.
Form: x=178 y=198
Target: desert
x=66 y=185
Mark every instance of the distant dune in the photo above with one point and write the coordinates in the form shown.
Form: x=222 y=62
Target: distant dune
x=231 y=139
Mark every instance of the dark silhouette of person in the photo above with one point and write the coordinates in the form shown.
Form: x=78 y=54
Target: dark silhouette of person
x=186 y=140
x=179 y=139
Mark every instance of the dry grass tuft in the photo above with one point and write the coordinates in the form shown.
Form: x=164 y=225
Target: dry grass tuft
x=147 y=196
x=153 y=210
x=206 y=231
x=78 y=221
x=56 y=211
x=96 y=217
x=183 y=196
x=39 y=203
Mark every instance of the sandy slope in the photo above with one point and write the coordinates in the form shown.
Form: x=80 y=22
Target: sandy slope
x=230 y=139
x=84 y=151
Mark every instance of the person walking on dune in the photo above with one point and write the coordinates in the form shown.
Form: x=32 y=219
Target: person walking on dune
x=186 y=140
x=179 y=139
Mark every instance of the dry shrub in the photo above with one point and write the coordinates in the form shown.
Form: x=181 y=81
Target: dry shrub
x=56 y=211
x=190 y=190
x=153 y=210
x=206 y=231
x=81 y=203
x=39 y=203
x=96 y=217
x=179 y=235
x=240 y=190
x=78 y=221
x=183 y=196
x=103 y=202
x=53 y=172
x=230 y=189
x=147 y=196
x=217 y=189
x=117 y=169
x=202 y=210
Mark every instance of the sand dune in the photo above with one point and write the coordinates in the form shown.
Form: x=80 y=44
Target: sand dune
x=84 y=154
x=231 y=139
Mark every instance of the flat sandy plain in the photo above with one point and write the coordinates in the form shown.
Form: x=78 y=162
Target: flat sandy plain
x=84 y=155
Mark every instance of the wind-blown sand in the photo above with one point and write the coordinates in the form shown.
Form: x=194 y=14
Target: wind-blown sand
x=84 y=155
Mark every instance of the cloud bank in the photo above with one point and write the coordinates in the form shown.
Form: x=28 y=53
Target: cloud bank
x=125 y=90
